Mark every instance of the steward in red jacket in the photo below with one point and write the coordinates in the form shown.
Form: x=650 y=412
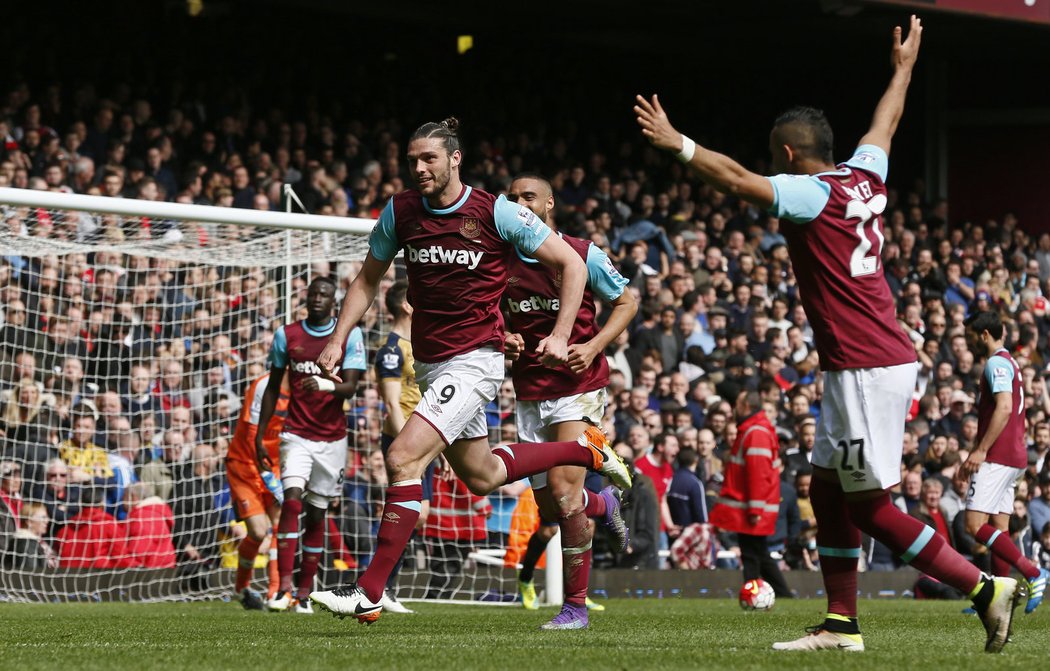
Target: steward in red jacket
x=750 y=497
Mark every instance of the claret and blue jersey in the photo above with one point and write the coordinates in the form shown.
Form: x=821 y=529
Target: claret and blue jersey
x=456 y=259
x=313 y=415
x=835 y=244
x=533 y=305
x=1002 y=374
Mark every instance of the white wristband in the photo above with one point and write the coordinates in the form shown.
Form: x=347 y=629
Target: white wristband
x=688 y=149
x=324 y=384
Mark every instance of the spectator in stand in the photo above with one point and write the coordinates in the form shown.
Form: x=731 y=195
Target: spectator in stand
x=87 y=461
x=150 y=523
x=92 y=538
x=1039 y=508
x=168 y=389
x=929 y=509
x=686 y=500
x=28 y=549
x=1040 y=448
x=11 y=488
x=642 y=518
x=160 y=474
x=196 y=514
x=658 y=466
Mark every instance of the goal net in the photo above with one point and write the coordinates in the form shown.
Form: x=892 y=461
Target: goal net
x=129 y=333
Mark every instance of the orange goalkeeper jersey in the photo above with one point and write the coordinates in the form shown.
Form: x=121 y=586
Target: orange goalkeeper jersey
x=242 y=447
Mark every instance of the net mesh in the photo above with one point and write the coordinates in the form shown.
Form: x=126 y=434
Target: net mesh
x=126 y=348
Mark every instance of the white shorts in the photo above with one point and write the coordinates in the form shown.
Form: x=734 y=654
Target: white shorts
x=456 y=391
x=992 y=489
x=320 y=464
x=861 y=430
x=535 y=419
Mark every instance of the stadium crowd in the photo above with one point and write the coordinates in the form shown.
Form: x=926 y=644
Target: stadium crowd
x=122 y=375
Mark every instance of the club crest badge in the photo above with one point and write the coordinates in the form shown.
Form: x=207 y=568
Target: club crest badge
x=471 y=228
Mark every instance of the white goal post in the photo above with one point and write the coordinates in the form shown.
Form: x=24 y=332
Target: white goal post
x=104 y=292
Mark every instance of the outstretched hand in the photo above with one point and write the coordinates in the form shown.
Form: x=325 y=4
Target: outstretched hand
x=655 y=126
x=906 y=53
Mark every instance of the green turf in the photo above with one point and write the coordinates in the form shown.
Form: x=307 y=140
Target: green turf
x=631 y=634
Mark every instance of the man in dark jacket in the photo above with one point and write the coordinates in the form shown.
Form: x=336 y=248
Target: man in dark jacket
x=196 y=515
x=642 y=517
x=685 y=498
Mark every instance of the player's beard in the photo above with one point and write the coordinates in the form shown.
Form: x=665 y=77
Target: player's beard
x=439 y=181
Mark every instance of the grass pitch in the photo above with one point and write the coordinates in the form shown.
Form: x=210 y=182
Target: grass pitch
x=629 y=635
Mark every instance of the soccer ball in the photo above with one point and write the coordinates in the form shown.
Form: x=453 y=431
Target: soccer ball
x=757 y=595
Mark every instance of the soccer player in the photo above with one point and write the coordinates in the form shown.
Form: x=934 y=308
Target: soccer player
x=395 y=371
x=313 y=443
x=869 y=365
x=253 y=500
x=457 y=242
x=559 y=403
x=999 y=458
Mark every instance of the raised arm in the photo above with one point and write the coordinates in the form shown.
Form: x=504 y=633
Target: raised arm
x=716 y=169
x=890 y=108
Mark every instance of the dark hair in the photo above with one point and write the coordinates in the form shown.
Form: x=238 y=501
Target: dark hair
x=807 y=131
x=662 y=438
x=688 y=458
x=395 y=296
x=533 y=175
x=447 y=130
x=91 y=496
x=986 y=321
x=753 y=400
x=324 y=279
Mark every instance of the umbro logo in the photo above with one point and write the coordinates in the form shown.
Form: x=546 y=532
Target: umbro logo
x=392 y=517
x=514 y=279
x=858 y=476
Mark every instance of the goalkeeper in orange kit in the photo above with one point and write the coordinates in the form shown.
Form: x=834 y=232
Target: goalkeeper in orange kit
x=256 y=496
